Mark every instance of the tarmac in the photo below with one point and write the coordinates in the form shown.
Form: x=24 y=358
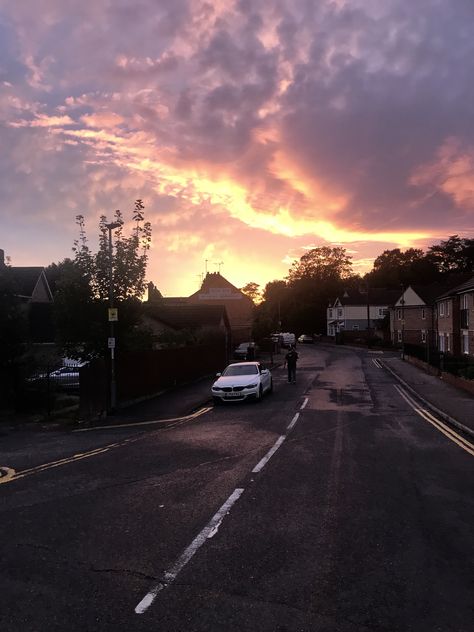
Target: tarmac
x=453 y=405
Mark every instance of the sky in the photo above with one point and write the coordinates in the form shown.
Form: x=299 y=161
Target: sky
x=252 y=130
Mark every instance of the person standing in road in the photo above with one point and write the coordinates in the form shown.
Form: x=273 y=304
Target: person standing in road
x=290 y=361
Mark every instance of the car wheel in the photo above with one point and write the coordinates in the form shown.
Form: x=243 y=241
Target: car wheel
x=270 y=388
x=260 y=394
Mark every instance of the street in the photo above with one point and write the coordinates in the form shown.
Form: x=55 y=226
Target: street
x=333 y=505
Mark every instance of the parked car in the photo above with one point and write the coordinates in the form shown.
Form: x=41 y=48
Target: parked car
x=241 y=352
x=242 y=381
x=305 y=338
x=65 y=378
x=288 y=339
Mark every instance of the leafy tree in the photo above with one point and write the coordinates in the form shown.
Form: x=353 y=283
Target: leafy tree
x=13 y=332
x=322 y=264
x=82 y=295
x=454 y=255
x=394 y=268
x=252 y=291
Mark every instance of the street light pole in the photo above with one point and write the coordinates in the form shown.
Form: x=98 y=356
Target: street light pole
x=403 y=323
x=113 y=387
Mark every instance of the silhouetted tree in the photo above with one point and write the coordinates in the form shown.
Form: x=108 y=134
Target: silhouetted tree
x=454 y=255
x=82 y=293
x=252 y=291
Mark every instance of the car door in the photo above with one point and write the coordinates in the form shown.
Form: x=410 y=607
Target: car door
x=264 y=377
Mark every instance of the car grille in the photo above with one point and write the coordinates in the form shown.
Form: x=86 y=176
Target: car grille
x=229 y=389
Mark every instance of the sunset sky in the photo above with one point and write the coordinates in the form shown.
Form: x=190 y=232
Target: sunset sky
x=252 y=130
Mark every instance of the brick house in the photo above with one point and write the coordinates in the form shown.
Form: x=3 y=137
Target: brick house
x=456 y=319
x=357 y=311
x=414 y=317
x=216 y=290
x=209 y=321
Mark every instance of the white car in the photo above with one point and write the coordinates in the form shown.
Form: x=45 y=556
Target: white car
x=241 y=381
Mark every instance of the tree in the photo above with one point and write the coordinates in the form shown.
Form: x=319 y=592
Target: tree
x=324 y=264
x=454 y=255
x=252 y=291
x=394 y=268
x=13 y=332
x=82 y=294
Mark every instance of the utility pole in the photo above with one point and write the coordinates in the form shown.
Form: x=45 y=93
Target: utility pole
x=113 y=317
x=368 y=316
x=402 y=302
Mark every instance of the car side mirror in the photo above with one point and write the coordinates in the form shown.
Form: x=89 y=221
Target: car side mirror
x=218 y=374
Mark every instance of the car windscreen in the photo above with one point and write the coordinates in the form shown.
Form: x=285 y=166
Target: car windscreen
x=244 y=369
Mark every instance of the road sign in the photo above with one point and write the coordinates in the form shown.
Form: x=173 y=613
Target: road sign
x=113 y=314
x=111 y=343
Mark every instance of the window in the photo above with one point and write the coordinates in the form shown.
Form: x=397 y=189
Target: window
x=399 y=335
x=399 y=314
x=441 y=342
x=448 y=342
x=464 y=301
x=465 y=342
x=423 y=335
x=423 y=313
x=441 y=308
x=330 y=313
x=339 y=313
x=355 y=326
x=383 y=311
x=447 y=307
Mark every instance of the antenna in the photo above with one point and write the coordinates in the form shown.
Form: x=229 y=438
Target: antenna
x=219 y=264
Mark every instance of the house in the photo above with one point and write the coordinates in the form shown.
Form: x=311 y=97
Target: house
x=30 y=284
x=216 y=290
x=359 y=311
x=195 y=323
x=455 y=311
x=414 y=317
x=31 y=288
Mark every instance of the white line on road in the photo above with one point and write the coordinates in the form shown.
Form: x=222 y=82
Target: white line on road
x=208 y=531
x=261 y=464
x=303 y=405
x=438 y=424
x=293 y=421
x=377 y=363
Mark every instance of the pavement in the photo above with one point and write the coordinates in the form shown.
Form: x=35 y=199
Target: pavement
x=455 y=406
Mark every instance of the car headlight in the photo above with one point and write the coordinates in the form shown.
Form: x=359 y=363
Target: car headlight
x=216 y=388
x=252 y=385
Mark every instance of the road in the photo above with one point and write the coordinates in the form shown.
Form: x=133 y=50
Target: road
x=333 y=505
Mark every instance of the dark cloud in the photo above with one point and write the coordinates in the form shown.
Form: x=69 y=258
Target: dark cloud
x=357 y=113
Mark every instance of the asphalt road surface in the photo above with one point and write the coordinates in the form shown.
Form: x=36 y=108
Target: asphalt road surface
x=333 y=505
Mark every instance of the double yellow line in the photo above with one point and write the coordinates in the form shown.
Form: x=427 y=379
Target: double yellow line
x=8 y=474
x=463 y=443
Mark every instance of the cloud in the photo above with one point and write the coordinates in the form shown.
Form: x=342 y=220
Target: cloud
x=271 y=125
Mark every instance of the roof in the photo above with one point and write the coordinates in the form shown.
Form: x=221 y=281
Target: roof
x=215 y=281
x=188 y=316
x=376 y=296
x=26 y=280
x=429 y=293
x=467 y=286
